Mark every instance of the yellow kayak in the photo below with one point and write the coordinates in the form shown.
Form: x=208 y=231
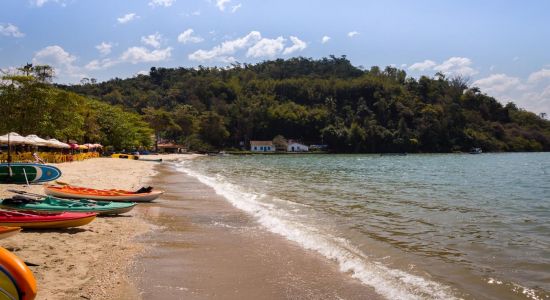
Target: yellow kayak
x=16 y=279
x=125 y=156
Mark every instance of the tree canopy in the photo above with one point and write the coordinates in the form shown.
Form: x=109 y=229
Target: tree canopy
x=326 y=101
x=31 y=105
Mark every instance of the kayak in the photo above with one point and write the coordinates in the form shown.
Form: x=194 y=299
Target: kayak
x=75 y=192
x=52 y=204
x=45 y=220
x=16 y=279
x=125 y=156
x=6 y=232
x=151 y=159
x=27 y=172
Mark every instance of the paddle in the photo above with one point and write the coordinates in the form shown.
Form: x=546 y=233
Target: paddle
x=27 y=193
x=28 y=215
x=42 y=197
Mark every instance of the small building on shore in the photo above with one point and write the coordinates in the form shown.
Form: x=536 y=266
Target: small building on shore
x=294 y=146
x=262 y=146
x=171 y=148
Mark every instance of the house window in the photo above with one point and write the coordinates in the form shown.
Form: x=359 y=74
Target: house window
x=255 y=148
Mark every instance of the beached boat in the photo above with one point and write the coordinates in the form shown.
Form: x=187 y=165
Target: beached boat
x=476 y=151
x=27 y=173
x=125 y=156
x=16 y=279
x=75 y=192
x=52 y=204
x=6 y=232
x=44 y=220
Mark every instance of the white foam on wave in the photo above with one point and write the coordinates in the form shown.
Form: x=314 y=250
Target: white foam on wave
x=388 y=282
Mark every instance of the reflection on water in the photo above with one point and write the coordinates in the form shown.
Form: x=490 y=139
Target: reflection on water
x=482 y=222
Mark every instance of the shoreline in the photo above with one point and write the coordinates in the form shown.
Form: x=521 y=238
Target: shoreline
x=88 y=262
x=212 y=249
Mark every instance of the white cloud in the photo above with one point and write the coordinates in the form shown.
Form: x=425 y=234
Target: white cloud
x=539 y=75
x=531 y=95
x=100 y=64
x=497 y=83
x=516 y=58
x=188 y=37
x=352 y=33
x=453 y=66
x=10 y=30
x=254 y=43
x=221 y=4
x=267 y=47
x=40 y=3
x=127 y=18
x=224 y=51
x=142 y=72
x=325 y=39
x=298 y=45
x=165 y=3
x=456 y=66
x=423 y=66
x=234 y=8
x=136 y=55
x=152 y=40
x=196 y=13
x=61 y=60
x=104 y=48
x=54 y=55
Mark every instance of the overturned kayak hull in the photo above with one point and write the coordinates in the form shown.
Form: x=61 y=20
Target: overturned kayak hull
x=27 y=172
x=71 y=192
x=16 y=279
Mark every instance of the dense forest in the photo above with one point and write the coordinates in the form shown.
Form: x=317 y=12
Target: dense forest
x=326 y=101
x=30 y=104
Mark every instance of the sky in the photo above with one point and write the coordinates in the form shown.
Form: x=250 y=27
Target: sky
x=503 y=47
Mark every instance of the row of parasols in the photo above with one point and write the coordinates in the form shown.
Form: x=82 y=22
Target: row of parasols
x=14 y=138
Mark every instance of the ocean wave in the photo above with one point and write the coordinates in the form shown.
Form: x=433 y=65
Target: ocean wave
x=389 y=282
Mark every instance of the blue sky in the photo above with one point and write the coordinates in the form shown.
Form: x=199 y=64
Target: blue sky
x=502 y=46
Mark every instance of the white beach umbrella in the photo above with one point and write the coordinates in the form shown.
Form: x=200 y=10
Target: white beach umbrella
x=15 y=138
x=64 y=145
x=56 y=144
x=37 y=140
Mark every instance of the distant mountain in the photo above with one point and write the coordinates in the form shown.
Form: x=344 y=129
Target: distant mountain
x=326 y=101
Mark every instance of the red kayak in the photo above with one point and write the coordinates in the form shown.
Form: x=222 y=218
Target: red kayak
x=44 y=220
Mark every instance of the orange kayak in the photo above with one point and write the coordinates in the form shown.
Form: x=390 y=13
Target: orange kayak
x=75 y=192
x=16 y=279
x=6 y=232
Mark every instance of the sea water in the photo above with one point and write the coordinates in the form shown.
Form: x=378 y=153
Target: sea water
x=427 y=226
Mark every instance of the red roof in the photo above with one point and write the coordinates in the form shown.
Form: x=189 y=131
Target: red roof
x=261 y=143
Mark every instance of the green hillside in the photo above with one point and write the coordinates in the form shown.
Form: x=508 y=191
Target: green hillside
x=326 y=101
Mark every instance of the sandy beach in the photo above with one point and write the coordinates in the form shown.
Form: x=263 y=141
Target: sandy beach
x=87 y=262
x=189 y=244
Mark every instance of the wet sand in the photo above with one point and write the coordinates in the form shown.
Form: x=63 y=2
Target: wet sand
x=204 y=248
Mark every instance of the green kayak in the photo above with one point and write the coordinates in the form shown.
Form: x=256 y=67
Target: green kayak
x=52 y=204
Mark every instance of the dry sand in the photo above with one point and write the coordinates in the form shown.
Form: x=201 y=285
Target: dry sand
x=87 y=262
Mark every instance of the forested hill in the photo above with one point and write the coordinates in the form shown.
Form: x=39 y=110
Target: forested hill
x=326 y=101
